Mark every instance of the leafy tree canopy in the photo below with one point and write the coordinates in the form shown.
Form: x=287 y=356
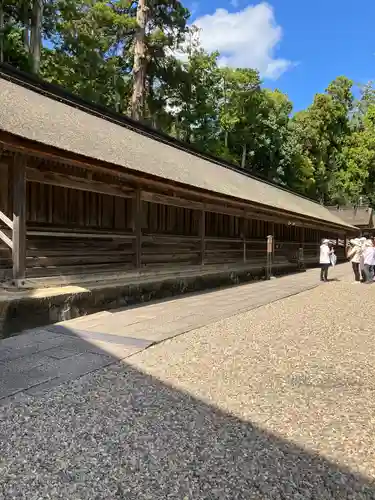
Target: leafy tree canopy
x=142 y=57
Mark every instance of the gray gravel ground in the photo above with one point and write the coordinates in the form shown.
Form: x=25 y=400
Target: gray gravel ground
x=276 y=403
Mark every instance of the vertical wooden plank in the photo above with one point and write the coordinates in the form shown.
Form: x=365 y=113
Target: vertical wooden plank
x=4 y=188
x=50 y=204
x=120 y=214
x=49 y=192
x=137 y=227
x=65 y=206
x=10 y=188
x=41 y=212
x=33 y=201
x=103 y=203
x=145 y=208
x=19 y=219
x=202 y=233
x=242 y=235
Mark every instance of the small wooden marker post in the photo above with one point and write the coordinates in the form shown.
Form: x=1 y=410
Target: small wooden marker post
x=269 y=256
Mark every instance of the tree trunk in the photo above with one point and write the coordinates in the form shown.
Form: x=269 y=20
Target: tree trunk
x=151 y=111
x=244 y=153
x=26 y=23
x=2 y=25
x=140 y=63
x=226 y=138
x=36 y=35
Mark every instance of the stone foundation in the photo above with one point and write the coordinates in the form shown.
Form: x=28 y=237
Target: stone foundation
x=34 y=308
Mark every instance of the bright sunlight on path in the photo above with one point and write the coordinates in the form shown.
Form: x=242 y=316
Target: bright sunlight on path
x=272 y=403
x=45 y=357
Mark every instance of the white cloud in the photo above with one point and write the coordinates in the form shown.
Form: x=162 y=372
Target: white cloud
x=247 y=39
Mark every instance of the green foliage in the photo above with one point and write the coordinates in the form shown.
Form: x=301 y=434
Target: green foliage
x=326 y=151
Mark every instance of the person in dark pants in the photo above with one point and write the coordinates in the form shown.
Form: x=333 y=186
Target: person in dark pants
x=354 y=255
x=356 y=272
x=368 y=261
x=324 y=272
x=324 y=260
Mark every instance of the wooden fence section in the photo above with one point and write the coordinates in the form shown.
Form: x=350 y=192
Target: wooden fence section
x=64 y=220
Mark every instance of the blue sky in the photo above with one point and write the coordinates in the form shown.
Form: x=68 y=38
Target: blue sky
x=299 y=46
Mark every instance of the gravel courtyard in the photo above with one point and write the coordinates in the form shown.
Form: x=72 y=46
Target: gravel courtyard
x=275 y=403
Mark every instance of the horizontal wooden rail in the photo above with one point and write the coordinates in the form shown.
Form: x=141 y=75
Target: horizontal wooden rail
x=152 y=236
x=171 y=237
x=81 y=184
x=57 y=234
x=6 y=220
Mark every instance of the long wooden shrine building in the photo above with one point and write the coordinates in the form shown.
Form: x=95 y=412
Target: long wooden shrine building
x=86 y=194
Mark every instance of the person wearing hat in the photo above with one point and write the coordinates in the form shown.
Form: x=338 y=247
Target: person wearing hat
x=354 y=255
x=324 y=260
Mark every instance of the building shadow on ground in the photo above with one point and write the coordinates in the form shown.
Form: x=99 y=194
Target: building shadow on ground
x=123 y=434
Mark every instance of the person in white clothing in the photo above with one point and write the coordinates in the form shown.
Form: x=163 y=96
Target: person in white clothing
x=368 y=261
x=354 y=255
x=324 y=260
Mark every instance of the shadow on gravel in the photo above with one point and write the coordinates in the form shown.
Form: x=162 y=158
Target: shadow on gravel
x=188 y=449
x=122 y=434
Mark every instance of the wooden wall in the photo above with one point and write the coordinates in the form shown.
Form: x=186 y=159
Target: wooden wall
x=71 y=231
x=70 y=208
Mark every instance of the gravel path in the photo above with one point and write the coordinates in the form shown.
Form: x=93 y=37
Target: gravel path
x=276 y=403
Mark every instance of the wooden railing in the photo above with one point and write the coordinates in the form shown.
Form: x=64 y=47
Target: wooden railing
x=54 y=250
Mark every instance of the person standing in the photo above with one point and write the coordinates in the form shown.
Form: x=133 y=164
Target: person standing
x=354 y=255
x=362 y=241
x=368 y=261
x=324 y=260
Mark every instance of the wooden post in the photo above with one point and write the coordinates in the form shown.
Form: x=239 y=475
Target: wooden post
x=269 y=241
x=272 y=232
x=19 y=220
x=243 y=238
x=202 y=233
x=137 y=228
x=4 y=206
x=301 y=254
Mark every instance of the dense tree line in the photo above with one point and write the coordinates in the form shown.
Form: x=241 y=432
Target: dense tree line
x=122 y=54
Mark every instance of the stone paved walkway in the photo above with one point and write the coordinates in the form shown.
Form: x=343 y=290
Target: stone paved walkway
x=43 y=358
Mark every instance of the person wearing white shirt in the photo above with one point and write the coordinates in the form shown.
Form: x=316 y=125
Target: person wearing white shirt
x=368 y=261
x=324 y=260
x=354 y=255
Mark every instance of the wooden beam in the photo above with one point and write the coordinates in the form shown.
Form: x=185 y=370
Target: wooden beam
x=6 y=239
x=19 y=219
x=174 y=201
x=137 y=228
x=79 y=234
x=6 y=220
x=202 y=234
x=72 y=182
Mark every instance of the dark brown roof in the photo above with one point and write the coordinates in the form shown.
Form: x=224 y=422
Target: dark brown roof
x=33 y=116
x=359 y=217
